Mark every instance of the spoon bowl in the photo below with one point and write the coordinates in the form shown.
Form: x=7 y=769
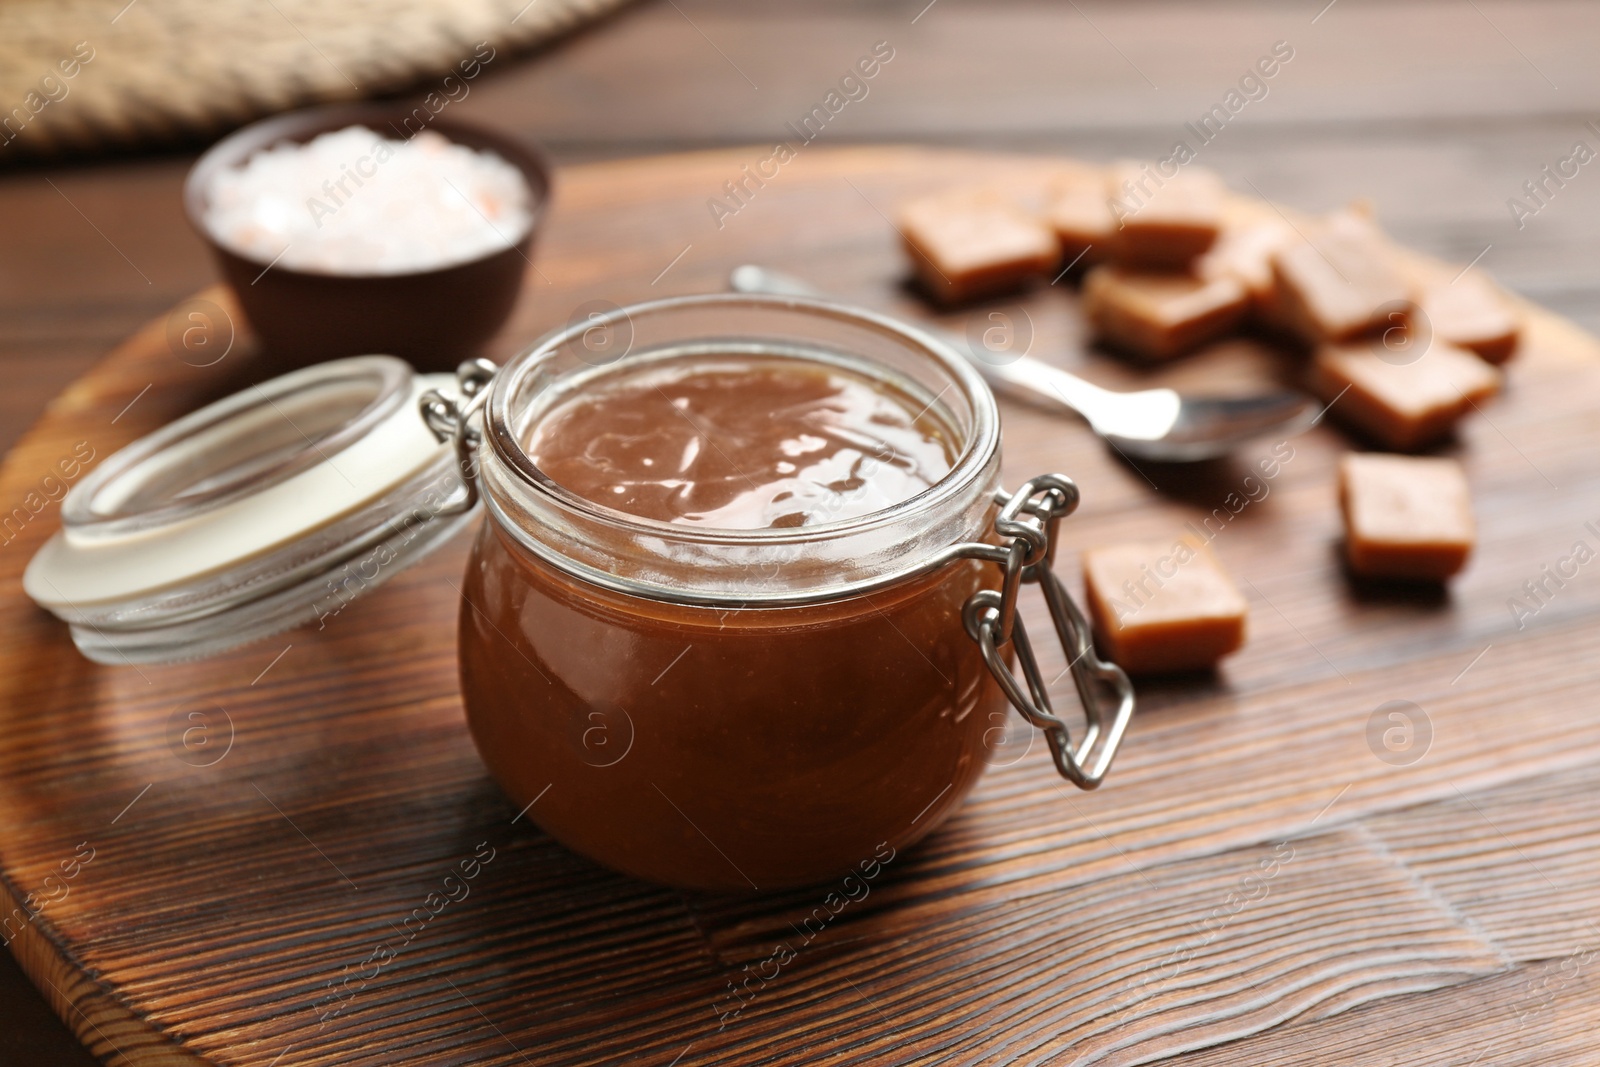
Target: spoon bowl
x=1210 y=426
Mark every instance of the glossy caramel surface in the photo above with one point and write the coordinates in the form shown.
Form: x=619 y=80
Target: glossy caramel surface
x=741 y=443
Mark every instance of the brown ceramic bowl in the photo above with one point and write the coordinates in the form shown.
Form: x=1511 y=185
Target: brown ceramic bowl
x=433 y=319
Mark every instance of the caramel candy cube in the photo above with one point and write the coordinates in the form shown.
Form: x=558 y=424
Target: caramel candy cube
x=1405 y=516
x=1244 y=251
x=975 y=242
x=1162 y=607
x=1164 y=222
x=1339 y=285
x=1403 y=405
x=1158 y=316
x=1472 y=313
x=1080 y=213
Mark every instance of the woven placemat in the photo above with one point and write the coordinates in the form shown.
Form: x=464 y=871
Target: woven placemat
x=86 y=75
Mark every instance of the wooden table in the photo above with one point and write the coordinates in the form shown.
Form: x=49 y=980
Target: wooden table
x=1437 y=112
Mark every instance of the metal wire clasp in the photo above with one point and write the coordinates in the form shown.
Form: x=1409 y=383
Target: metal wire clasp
x=1027 y=524
x=455 y=418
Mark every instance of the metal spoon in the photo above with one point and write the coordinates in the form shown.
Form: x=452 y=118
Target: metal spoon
x=1154 y=424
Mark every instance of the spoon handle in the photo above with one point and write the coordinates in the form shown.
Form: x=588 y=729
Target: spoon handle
x=1020 y=377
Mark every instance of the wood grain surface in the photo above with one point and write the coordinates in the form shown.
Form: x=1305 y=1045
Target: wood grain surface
x=1256 y=883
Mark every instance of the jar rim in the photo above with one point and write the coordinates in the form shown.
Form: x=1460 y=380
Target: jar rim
x=977 y=450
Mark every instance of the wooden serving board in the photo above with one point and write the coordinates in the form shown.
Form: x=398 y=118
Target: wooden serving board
x=1259 y=869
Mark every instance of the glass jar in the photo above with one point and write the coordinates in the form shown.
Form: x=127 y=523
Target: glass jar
x=751 y=709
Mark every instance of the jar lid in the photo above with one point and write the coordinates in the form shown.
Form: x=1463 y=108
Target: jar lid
x=273 y=507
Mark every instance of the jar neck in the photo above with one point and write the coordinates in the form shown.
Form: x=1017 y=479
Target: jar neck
x=766 y=567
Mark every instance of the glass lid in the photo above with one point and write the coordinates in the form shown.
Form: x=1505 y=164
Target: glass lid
x=231 y=523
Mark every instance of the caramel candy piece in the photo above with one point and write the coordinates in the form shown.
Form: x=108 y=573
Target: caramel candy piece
x=1164 y=222
x=1080 y=213
x=1405 y=516
x=1244 y=251
x=1158 y=316
x=1162 y=607
x=1340 y=284
x=975 y=242
x=1473 y=313
x=1403 y=405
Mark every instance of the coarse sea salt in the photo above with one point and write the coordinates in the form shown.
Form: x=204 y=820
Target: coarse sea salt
x=355 y=202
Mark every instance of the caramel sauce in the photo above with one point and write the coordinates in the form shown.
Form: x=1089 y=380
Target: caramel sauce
x=742 y=747
x=741 y=444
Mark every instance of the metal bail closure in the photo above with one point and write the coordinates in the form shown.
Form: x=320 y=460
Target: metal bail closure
x=458 y=419
x=1027 y=525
